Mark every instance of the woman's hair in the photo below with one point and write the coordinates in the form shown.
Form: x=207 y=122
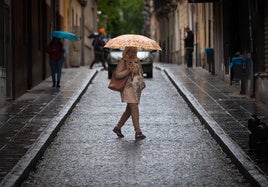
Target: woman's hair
x=126 y=52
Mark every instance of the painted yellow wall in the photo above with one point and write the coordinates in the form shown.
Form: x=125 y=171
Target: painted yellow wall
x=64 y=11
x=205 y=13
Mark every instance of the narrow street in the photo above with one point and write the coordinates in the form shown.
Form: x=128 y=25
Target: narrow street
x=178 y=150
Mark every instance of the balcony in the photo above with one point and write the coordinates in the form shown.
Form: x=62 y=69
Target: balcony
x=162 y=7
x=83 y=2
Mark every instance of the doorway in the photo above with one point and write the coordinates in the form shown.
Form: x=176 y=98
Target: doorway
x=5 y=53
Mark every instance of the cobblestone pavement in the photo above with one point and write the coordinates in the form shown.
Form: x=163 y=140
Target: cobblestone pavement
x=29 y=121
x=178 y=150
x=226 y=108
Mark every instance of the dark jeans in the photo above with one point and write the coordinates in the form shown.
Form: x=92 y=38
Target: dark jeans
x=189 y=56
x=99 y=57
x=56 y=66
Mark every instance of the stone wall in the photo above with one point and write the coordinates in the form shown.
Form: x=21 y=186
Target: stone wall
x=261 y=91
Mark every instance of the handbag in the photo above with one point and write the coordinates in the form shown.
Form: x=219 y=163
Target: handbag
x=117 y=84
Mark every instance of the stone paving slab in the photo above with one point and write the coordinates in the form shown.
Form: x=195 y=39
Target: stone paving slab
x=178 y=150
x=28 y=122
x=35 y=113
x=224 y=112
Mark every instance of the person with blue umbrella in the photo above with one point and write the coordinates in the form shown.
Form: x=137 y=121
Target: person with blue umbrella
x=64 y=35
x=55 y=50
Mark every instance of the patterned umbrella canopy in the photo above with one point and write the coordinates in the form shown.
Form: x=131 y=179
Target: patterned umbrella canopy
x=133 y=40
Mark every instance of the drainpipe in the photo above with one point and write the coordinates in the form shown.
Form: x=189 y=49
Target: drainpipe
x=1 y=32
x=54 y=10
x=252 y=78
x=83 y=5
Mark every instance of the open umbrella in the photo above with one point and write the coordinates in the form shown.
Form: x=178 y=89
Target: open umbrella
x=133 y=40
x=64 y=34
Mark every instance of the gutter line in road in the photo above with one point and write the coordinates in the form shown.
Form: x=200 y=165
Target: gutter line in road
x=244 y=163
x=22 y=169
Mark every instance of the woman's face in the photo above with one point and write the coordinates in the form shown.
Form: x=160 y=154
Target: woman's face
x=132 y=52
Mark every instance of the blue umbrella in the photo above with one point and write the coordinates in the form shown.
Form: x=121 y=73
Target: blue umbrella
x=64 y=34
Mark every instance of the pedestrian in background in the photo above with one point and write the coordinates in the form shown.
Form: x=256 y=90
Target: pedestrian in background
x=55 y=50
x=238 y=68
x=237 y=60
x=189 y=46
x=98 y=45
x=130 y=66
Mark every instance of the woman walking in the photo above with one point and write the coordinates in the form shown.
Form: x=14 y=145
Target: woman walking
x=130 y=66
x=55 y=50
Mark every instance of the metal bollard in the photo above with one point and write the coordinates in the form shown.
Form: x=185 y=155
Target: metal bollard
x=262 y=144
x=258 y=138
x=253 y=123
x=261 y=131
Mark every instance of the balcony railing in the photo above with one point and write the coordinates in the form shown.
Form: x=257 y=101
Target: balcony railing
x=165 y=6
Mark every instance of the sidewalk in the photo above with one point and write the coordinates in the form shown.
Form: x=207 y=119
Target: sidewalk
x=224 y=112
x=29 y=123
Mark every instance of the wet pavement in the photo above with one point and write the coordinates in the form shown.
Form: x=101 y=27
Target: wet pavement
x=30 y=123
x=224 y=111
x=178 y=150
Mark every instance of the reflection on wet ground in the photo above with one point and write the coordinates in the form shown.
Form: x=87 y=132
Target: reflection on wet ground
x=24 y=119
x=223 y=102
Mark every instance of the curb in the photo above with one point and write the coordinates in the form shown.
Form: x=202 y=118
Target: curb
x=243 y=162
x=22 y=169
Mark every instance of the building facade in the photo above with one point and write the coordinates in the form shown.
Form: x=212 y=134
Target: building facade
x=226 y=27
x=24 y=33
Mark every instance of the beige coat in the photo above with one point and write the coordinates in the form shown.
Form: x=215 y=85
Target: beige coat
x=134 y=85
